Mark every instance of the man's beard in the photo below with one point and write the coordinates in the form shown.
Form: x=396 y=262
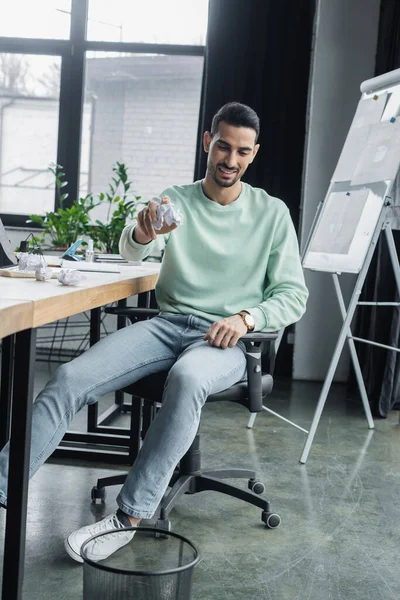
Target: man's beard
x=213 y=171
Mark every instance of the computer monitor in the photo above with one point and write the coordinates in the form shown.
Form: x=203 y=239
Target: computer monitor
x=7 y=256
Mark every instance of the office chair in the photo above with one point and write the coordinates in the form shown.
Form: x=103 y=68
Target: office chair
x=189 y=477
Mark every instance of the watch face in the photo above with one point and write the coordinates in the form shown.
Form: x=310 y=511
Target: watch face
x=249 y=320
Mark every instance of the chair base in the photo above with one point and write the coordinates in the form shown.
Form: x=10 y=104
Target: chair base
x=190 y=478
x=193 y=483
x=211 y=481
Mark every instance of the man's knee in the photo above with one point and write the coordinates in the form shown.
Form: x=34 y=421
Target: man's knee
x=65 y=374
x=62 y=374
x=187 y=384
x=69 y=387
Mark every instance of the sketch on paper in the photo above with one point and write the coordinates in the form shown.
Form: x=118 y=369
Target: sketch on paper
x=380 y=159
x=339 y=222
x=369 y=112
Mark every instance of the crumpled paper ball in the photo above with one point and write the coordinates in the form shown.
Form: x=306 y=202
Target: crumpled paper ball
x=167 y=213
x=30 y=262
x=70 y=276
x=43 y=273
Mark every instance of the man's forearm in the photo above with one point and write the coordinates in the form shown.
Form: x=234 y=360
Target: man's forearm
x=132 y=249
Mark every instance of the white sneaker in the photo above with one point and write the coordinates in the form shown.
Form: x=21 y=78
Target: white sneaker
x=104 y=545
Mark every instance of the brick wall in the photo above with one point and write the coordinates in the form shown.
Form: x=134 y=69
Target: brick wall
x=107 y=132
x=160 y=133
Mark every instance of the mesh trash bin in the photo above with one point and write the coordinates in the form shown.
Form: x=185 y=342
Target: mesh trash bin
x=147 y=568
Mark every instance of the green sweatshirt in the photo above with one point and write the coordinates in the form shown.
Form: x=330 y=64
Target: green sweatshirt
x=223 y=259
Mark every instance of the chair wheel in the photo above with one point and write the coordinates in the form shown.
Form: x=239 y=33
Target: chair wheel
x=271 y=520
x=164 y=525
x=98 y=495
x=256 y=486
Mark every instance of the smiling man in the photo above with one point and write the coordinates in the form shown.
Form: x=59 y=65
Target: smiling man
x=233 y=266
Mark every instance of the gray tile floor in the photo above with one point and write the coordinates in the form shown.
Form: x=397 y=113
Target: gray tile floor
x=340 y=532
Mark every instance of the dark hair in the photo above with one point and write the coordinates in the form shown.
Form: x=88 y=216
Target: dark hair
x=238 y=115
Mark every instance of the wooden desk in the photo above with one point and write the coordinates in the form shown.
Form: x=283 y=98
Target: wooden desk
x=25 y=305
x=15 y=315
x=53 y=301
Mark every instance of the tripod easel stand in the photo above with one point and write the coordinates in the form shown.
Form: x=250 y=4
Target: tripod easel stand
x=386 y=89
x=389 y=84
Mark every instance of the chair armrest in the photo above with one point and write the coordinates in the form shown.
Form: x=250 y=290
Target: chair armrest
x=253 y=343
x=259 y=337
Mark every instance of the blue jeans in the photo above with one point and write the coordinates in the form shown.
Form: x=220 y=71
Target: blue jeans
x=169 y=341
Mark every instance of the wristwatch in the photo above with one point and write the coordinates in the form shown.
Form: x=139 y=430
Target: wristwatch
x=247 y=320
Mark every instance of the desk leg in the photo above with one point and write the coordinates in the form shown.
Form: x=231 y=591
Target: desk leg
x=20 y=441
x=7 y=356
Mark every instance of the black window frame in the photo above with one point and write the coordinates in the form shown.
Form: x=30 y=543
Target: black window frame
x=72 y=86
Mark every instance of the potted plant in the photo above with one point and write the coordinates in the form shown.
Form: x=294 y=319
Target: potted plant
x=63 y=227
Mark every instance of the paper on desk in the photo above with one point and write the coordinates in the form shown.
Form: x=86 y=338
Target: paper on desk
x=91 y=267
x=15 y=272
x=53 y=261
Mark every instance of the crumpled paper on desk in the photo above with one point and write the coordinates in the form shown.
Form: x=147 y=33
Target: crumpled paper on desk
x=43 y=272
x=70 y=276
x=34 y=263
x=168 y=213
x=30 y=262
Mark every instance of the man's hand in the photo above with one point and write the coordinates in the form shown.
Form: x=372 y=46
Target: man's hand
x=227 y=332
x=144 y=231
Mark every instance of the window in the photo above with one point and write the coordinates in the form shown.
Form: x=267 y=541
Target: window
x=152 y=21
x=35 y=19
x=87 y=83
x=29 y=103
